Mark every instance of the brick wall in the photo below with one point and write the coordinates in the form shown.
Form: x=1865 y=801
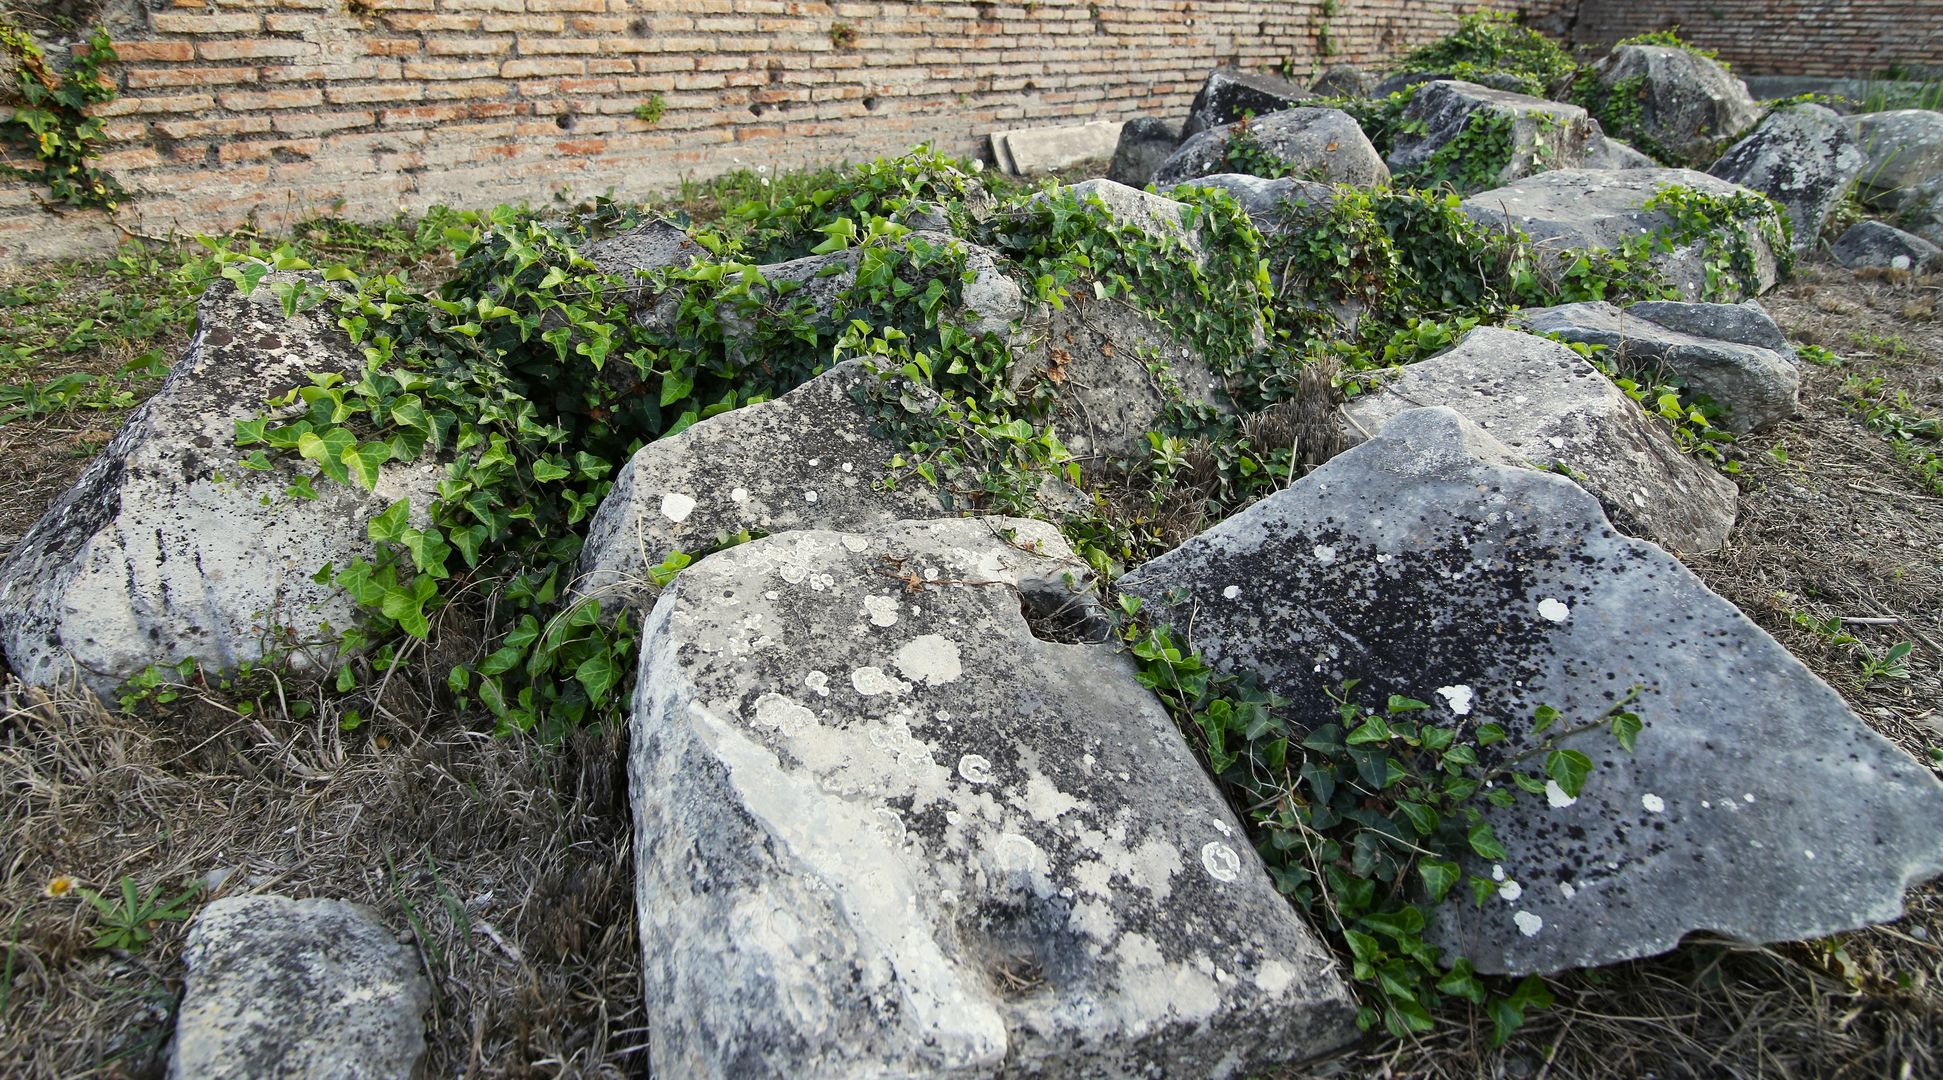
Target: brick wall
x=286 y=108
x=1839 y=38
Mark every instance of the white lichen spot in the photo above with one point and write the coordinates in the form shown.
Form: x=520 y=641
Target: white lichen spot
x=1556 y=797
x=818 y=682
x=881 y=609
x=1223 y=828
x=1015 y=851
x=810 y=497
x=1220 y=861
x=1566 y=890
x=739 y=496
x=889 y=824
x=1509 y=891
x=1325 y=554
x=1749 y=796
x=931 y=659
x=1231 y=592
x=846 y=466
x=1808 y=853
x=1528 y=924
x=975 y=768
x=1458 y=697
x=1497 y=872
x=1653 y=803
x=872 y=681
x=786 y=716
x=1553 y=610
x=1706 y=804
x=1557 y=442
x=855 y=543
x=1273 y=977
x=676 y=507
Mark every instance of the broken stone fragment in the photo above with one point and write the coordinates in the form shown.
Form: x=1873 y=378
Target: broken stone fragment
x=297 y=990
x=1688 y=104
x=1316 y=144
x=816 y=458
x=1567 y=210
x=1885 y=247
x=1429 y=562
x=1229 y=94
x=1732 y=353
x=1145 y=142
x=170 y=547
x=1804 y=158
x=1547 y=403
x=882 y=829
x=1543 y=134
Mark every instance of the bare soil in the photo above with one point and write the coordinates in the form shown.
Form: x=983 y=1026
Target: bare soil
x=508 y=864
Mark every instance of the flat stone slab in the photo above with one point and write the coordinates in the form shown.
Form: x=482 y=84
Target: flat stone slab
x=881 y=829
x=1885 y=247
x=1547 y=403
x=168 y=547
x=1038 y=150
x=813 y=458
x=1733 y=353
x=1430 y=563
x=297 y=990
x=1599 y=209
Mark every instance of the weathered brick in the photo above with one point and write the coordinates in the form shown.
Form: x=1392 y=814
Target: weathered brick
x=270 y=99
x=145 y=78
x=136 y=51
x=468 y=46
x=256 y=49
x=359 y=94
x=198 y=129
x=171 y=22
x=527 y=69
x=451 y=69
x=321 y=122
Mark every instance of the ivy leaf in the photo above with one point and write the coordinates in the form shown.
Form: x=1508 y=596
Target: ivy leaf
x=1625 y=728
x=546 y=471
x=364 y=460
x=391 y=524
x=1568 y=768
x=1484 y=842
x=1439 y=876
x=599 y=674
x=1373 y=730
x=1543 y=717
x=1461 y=981
x=1399 y=703
x=328 y=451
x=1422 y=818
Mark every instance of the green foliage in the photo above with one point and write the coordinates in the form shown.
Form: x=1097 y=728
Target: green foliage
x=1493 y=42
x=652 y=110
x=1916 y=439
x=1724 y=227
x=51 y=122
x=130 y=920
x=1245 y=154
x=1473 y=160
x=1670 y=38
x=1380 y=118
x=1892 y=663
x=1373 y=820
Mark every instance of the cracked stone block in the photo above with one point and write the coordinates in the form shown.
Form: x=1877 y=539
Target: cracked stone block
x=1430 y=562
x=1802 y=157
x=882 y=829
x=1228 y=94
x=1688 y=104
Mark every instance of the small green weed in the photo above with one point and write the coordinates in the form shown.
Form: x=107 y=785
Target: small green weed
x=652 y=110
x=130 y=920
x=1892 y=663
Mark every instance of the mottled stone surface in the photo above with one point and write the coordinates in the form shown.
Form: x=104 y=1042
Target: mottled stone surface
x=815 y=458
x=655 y=245
x=1885 y=247
x=1544 y=134
x=168 y=547
x=1315 y=144
x=1688 y=104
x=1600 y=208
x=1343 y=80
x=282 y=989
x=1547 y=403
x=881 y=829
x=1903 y=148
x=1428 y=559
x=1802 y=157
x=1145 y=142
x=1229 y=94
x=1733 y=353
x=1610 y=153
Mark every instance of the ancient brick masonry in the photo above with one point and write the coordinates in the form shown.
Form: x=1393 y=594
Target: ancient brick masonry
x=287 y=108
x=1837 y=38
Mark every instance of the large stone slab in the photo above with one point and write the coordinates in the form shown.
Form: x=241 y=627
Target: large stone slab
x=1688 y=104
x=1314 y=144
x=1547 y=403
x=1428 y=562
x=1044 y=149
x=1230 y=94
x=815 y=458
x=1802 y=157
x=1600 y=209
x=1733 y=353
x=881 y=829
x=635 y=254
x=1544 y=134
x=297 y=990
x=168 y=546
x=1267 y=203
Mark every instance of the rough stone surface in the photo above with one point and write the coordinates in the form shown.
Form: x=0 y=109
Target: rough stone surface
x=1610 y=153
x=1039 y=150
x=1874 y=244
x=1733 y=353
x=297 y=990
x=1343 y=80
x=653 y=246
x=1230 y=94
x=1547 y=403
x=1599 y=209
x=1265 y=201
x=1688 y=103
x=1156 y=214
x=807 y=460
x=1755 y=804
x=881 y=829
x=1316 y=144
x=1544 y=134
x=168 y=547
x=1903 y=148
x=1145 y=142
x=1802 y=157
x=1496 y=80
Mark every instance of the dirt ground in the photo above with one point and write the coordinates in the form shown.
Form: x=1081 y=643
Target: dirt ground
x=509 y=865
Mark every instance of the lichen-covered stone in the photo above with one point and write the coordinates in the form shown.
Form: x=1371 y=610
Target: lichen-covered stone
x=634 y=254
x=282 y=989
x=1547 y=403
x=882 y=829
x=1609 y=153
x=1316 y=144
x=1688 y=104
x=1903 y=149
x=1228 y=94
x=1733 y=353
x=1544 y=134
x=1802 y=157
x=815 y=458
x=1600 y=209
x=1145 y=142
x=1885 y=247
x=1755 y=804
x=169 y=547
